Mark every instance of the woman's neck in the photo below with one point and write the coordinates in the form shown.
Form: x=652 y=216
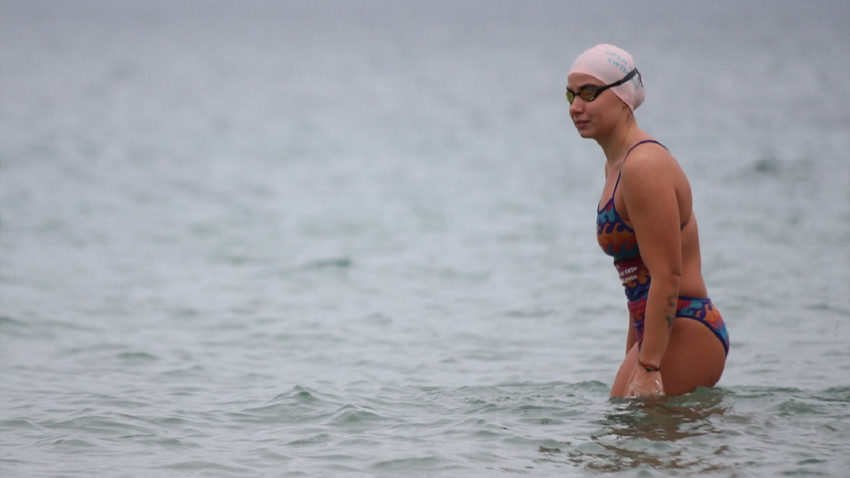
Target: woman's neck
x=616 y=145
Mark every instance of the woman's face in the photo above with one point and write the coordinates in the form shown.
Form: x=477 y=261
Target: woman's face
x=593 y=119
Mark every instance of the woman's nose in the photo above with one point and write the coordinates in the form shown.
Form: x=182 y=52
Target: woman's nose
x=576 y=106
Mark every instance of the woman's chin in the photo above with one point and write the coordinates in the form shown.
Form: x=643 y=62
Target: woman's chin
x=584 y=133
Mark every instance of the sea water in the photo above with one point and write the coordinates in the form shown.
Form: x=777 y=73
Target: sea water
x=351 y=238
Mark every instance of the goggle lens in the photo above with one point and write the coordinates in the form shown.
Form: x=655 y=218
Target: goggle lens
x=586 y=93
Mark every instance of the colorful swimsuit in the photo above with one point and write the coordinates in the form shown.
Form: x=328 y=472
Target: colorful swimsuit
x=619 y=241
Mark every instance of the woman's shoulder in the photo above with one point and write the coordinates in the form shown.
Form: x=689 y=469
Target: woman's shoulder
x=651 y=168
x=649 y=157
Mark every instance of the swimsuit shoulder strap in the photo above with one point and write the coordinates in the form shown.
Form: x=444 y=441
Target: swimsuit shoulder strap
x=640 y=143
x=620 y=174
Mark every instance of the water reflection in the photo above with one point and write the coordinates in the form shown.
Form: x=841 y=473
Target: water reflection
x=673 y=433
x=665 y=419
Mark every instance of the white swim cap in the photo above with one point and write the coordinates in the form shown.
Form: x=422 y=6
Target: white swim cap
x=610 y=64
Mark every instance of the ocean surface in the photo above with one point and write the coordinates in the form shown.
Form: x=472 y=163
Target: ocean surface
x=356 y=238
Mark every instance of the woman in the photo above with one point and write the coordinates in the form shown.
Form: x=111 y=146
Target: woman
x=677 y=340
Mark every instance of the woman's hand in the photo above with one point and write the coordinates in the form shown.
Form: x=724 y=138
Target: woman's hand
x=645 y=384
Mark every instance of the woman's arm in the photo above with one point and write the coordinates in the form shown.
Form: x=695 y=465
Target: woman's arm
x=649 y=185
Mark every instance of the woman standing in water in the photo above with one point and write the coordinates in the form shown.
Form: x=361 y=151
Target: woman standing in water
x=677 y=340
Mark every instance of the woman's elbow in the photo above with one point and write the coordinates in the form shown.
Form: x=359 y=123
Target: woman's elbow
x=671 y=279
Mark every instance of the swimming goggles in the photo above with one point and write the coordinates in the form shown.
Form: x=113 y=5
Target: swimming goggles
x=589 y=93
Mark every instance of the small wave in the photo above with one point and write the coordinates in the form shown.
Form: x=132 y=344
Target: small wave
x=205 y=467
x=312 y=440
x=771 y=166
x=69 y=445
x=767 y=165
x=17 y=424
x=299 y=394
x=298 y=405
x=351 y=415
x=416 y=464
x=15 y=328
x=6 y=321
x=36 y=328
x=100 y=425
x=835 y=394
x=137 y=357
x=327 y=263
